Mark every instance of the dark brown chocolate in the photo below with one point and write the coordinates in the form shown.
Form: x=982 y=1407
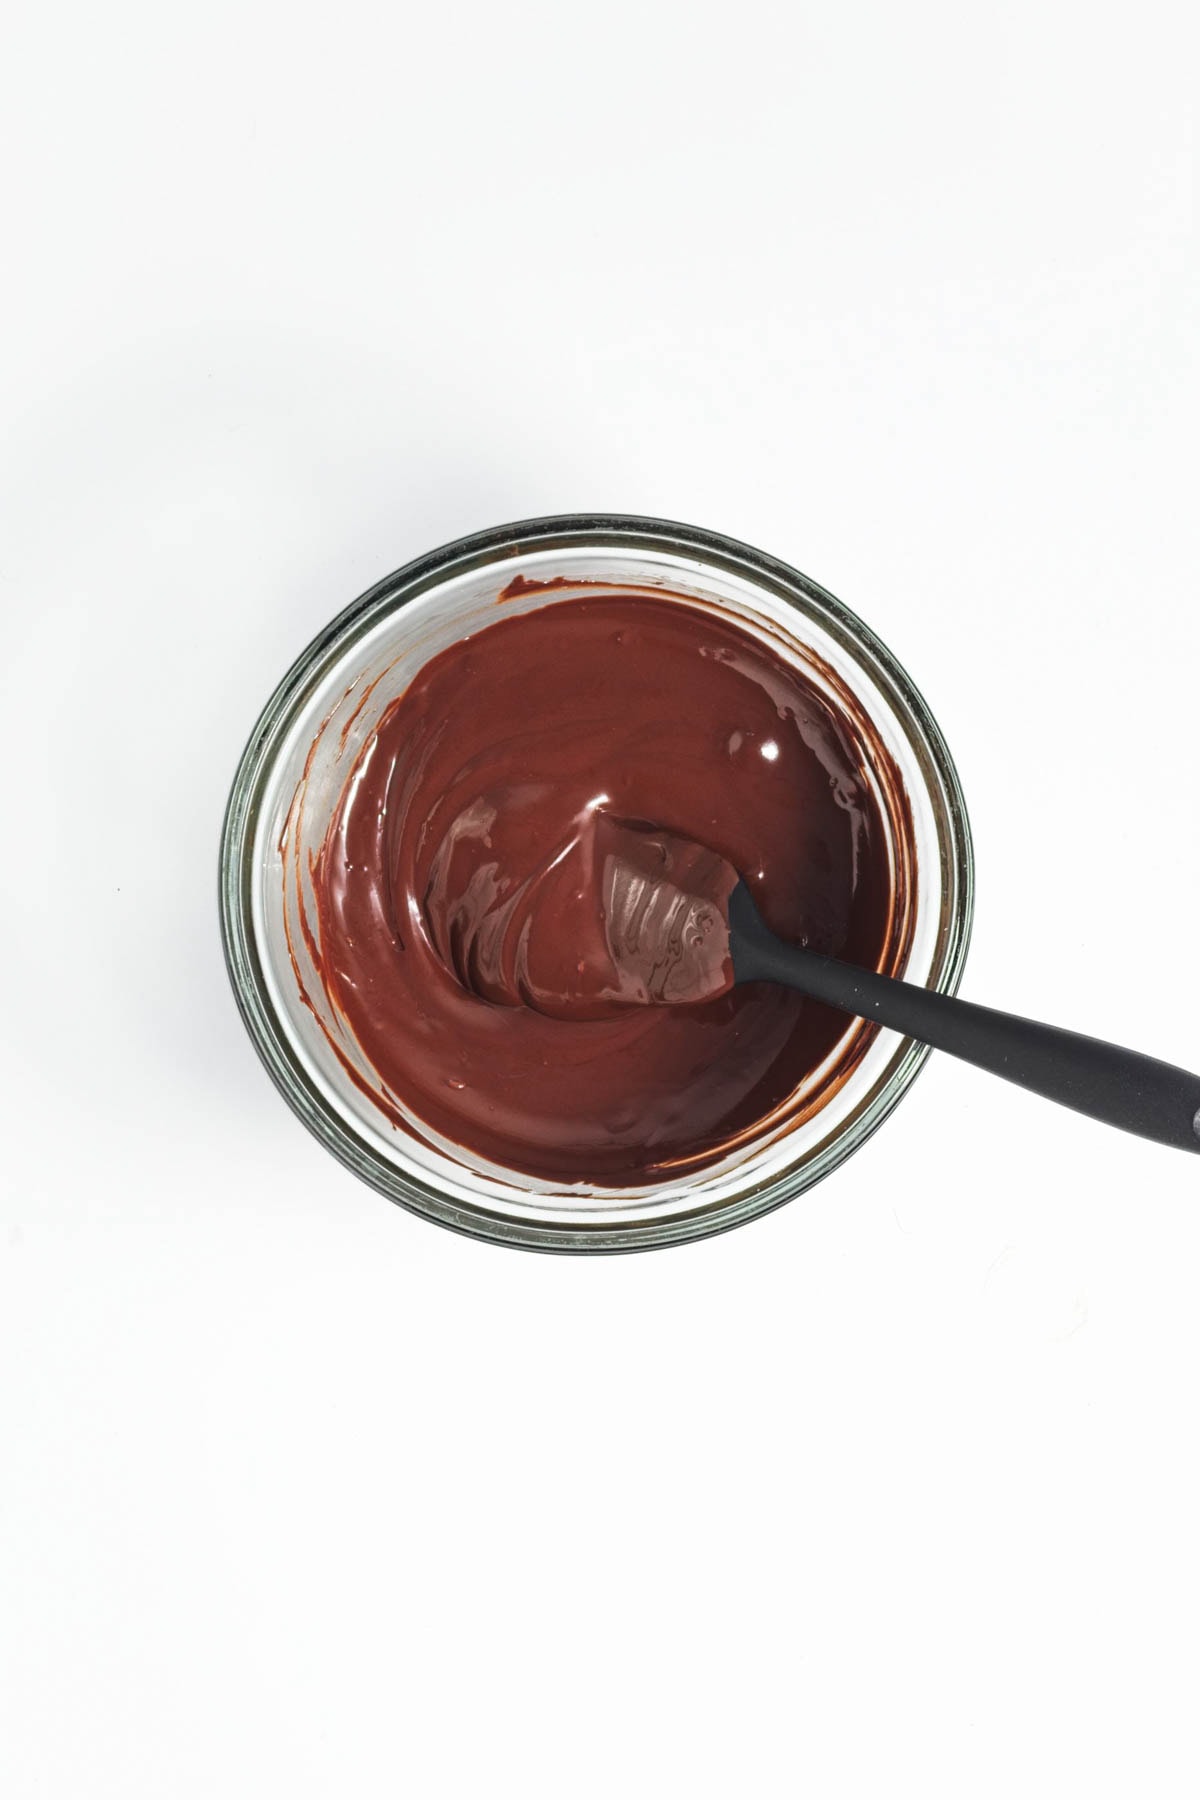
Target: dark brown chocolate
x=484 y=804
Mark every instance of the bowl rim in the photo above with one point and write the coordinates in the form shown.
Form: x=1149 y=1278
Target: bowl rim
x=236 y=874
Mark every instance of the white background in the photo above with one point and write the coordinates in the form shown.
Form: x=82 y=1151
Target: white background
x=893 y=1492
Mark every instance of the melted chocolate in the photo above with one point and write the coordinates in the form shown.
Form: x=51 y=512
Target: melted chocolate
x=470 y=929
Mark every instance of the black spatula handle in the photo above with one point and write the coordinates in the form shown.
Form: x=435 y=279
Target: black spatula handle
x=1119 y=1087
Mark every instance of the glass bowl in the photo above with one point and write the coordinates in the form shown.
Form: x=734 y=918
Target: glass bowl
x=305 y=744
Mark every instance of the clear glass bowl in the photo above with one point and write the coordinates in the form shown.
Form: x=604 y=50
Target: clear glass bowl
x=305 y=743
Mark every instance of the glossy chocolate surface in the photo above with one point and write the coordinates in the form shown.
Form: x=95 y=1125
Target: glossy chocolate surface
x=485 y=802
